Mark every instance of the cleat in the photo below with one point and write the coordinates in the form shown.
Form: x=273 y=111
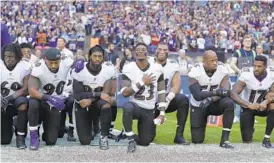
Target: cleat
x=266 y=143
x=226 y=144
x=181 y=141
x=131 y=148
x=34 y=142
x=70 y=136
x=121 y=136
x=20 y=142
x=103 y=143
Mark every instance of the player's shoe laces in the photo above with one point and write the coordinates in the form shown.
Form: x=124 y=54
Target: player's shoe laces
x=103 y=143
x=226 y=144
x=180 y=140
x=131 y=146
x=70 y=136
x=34 y=142
x=121 y=136
x=20 y=142
x=266 y=143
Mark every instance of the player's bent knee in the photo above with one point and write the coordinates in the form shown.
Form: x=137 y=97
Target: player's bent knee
x=84 y=141
x=33 y=104
x=51 y=141
x=182 y=100
x=228 y=103
x=106 y=106
x=6 y=141
x=21 y=101
x=128 y=107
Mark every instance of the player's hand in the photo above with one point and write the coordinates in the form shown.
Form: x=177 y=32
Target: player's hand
x=254 y=106
x=106 y=97
x=79 y=65
x=222 y=92
x=263 y=105
x=270 y=97
x=161 y=119
x=148 y=79
x=205 y=103
x=85 y=103
x=56 y=102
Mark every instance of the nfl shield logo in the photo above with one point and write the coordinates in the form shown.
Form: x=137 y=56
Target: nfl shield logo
x=10 y=74
x=94 y=79
x=55 y=76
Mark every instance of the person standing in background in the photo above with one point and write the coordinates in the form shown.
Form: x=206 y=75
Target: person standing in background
x=5 y=36
x=183 y=62
x=61 y=45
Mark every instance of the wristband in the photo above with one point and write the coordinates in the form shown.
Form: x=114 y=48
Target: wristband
x=45 y=97
x=162 y=113
x=170 y=96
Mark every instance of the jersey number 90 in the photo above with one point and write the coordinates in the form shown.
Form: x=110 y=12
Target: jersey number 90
x=50 y=88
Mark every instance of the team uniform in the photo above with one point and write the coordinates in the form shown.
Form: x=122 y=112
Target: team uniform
x=89 y=84
x=180 y=102
x=254 y=92
x=11 y=81
x=141 y=105
x=50 y=84
x=225 y=106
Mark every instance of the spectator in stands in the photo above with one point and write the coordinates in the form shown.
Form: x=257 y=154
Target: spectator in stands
x=184 y=62
x=61 y=45
x=260 y=51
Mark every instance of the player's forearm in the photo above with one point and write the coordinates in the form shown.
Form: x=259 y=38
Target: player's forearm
x=131 y=89
x=35 y=93
x=238 y=100
x=197 y=94
x=161 y=95
x=20 y=92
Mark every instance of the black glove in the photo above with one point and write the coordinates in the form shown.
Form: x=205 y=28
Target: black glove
x=222 y=92
x=5 y=102
x=205 y=103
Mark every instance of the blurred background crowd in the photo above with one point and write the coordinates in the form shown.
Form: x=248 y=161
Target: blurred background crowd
x=189 y=27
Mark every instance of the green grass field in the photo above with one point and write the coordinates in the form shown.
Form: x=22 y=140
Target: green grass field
x=165 y=132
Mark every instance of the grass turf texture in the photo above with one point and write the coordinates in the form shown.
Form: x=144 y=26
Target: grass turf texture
x=166 y=132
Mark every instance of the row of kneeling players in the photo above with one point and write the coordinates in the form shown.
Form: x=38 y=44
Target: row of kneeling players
x=55 y=86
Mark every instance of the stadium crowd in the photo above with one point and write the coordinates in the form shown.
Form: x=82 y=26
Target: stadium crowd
x=183 y=25
x=59 y=82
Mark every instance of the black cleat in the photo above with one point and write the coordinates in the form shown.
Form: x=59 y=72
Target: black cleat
x=103 y=143
x=181 y=140
x=266 y=143
x=131 y=148
x=121 y=136
x=71 y=136
x=20 y=142
x=226 y=144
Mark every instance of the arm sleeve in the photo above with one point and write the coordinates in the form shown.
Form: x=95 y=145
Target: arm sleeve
x=79 y=94
x=197 y=92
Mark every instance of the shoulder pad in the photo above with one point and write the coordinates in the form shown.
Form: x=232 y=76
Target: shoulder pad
x=245 y=69
x=37 y=64
x=108 y=64
x=220 y=63
x=271 y=68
